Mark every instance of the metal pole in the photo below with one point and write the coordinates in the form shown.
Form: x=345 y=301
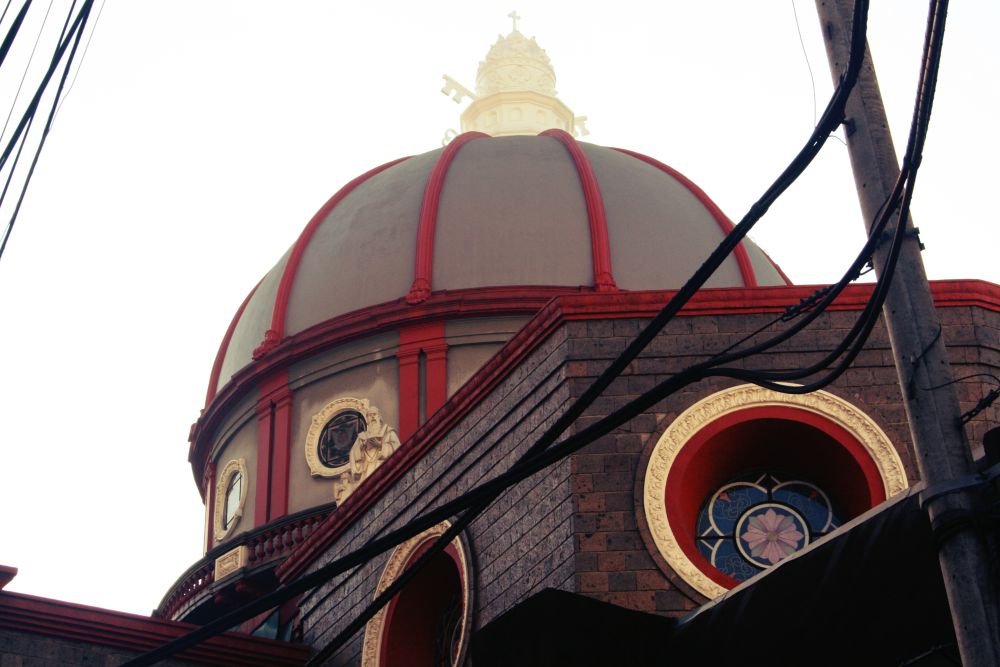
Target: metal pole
x=939 y=439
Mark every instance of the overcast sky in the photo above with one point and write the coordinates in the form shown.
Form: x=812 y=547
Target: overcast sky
x=199 y=138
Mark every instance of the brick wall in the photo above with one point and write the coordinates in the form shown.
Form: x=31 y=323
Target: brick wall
x=578 y=526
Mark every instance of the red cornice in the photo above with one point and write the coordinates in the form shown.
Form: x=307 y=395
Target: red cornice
x=476 y=302
x=277 y=330
x=64 y=620
x=584 y=306
x=220 y=357
x=725 y=224
x=600 y=246
x=424 y=266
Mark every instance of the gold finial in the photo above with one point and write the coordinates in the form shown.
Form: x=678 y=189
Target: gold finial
x=514 y=17
x=515 y=91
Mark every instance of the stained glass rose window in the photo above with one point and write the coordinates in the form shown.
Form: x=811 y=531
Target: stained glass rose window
x=751 y=524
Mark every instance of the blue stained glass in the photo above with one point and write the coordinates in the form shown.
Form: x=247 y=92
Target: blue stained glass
x=729 y=561
x=730 y=502
x=809 y=501
x=773 y=518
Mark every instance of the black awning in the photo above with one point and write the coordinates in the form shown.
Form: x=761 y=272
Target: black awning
x=868 y=594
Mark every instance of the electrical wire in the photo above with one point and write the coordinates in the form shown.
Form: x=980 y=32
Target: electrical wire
x=14 y=28
x=27 y=68
x=900 y=198
x=542 y=453
x=74 y=34
x=536 y=460
x=805 y=55
x=83 y=57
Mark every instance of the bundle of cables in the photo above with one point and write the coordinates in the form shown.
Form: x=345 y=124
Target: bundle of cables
x=546 y=450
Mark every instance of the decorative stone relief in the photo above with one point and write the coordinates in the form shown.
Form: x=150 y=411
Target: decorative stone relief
x=370 y=448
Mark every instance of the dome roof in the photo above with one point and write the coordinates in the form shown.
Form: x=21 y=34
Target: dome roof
x=489 y=212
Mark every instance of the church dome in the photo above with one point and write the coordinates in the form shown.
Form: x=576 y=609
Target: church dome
x=487 y=212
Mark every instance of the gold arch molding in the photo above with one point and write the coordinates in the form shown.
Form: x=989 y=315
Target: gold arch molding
x=394 y=566
x=688 y=423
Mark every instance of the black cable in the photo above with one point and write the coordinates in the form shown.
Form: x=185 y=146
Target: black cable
x=542 y=453
x=6 y=8
x=27 y=68
x=834 y=111
x=33 y=105
x=77 y=31
x=14 y=28
x=962 y=379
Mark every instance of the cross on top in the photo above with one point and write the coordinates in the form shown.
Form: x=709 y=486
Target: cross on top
x=514 y=17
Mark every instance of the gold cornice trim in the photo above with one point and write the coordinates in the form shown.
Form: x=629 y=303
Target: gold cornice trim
x=397 y=561
x=707 y=410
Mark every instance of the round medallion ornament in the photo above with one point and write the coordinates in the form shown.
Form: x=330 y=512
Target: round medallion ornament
x=346 y=442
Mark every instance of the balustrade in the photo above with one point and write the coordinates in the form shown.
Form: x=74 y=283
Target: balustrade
x=265 y=545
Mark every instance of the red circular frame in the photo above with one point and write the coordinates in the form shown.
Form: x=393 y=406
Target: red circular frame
x=765 y=438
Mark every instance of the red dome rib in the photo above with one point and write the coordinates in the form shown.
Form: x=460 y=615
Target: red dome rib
x=220 y=357
x=600 y=247
x=424 y=265
x=725 y=224
x=276 y=333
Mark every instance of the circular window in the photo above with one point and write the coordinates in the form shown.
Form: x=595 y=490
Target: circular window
x=230 y=497
x=747 y=476
x=749 y=525
x=342 y=426
x=234 y=493
x=337 y=437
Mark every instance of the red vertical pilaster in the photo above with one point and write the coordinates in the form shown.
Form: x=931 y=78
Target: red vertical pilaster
x=274 y=430
x=437 y=374
x=209 y=496
x=429 y=339
x=409 y=390
x=262 y=474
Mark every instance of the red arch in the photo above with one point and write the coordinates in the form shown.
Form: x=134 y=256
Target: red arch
x=600 y=246
x=424 y=265
x=725 y=224
x=276 y=333
x=408 y=633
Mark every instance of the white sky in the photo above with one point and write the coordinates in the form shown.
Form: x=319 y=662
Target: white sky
x=200 y=137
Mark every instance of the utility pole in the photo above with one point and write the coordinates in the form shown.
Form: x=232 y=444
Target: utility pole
x=942 y=450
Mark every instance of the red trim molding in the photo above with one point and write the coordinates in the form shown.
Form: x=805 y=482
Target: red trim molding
x=389 y=316
x=220 y=357
x=103 y=627
x=584 y=306
x=600 y=246
x=725 y=224
x=424 y=265
x=7 y=574
x=276 y=333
